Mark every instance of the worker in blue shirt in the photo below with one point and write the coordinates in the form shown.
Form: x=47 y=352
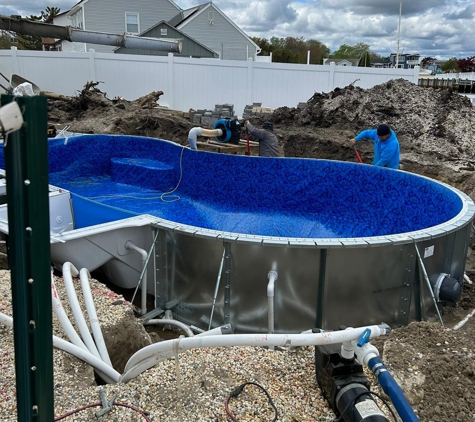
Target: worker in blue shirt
x=386 y=145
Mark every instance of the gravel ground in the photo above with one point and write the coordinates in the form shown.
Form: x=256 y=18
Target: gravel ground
x=195 y=389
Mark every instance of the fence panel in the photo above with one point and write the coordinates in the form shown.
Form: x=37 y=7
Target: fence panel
x=190 y=83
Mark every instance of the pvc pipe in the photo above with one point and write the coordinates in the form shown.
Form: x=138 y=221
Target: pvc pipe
x=93 y=319
x=68 y=271
x=272 y=276
x=109 y=374
x=199 y=131
x=143 y=283
x=467 y=279
x=157 y=352
x=164 y=321
x=462 y=323
x=64 y=320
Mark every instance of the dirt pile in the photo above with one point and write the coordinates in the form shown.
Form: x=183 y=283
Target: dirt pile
x=436 y=129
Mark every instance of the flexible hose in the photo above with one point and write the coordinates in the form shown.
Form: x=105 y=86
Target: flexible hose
x=108 y=373
x=68 y=271
x=393 y=390
x=157 y=352
x=93 y=319
x=178 y=324
x=64 y=320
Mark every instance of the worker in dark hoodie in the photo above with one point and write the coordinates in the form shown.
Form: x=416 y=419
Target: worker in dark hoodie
x=386 y=145
x=268 y=142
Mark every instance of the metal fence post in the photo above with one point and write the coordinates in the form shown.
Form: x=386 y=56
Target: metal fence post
x=26 y=168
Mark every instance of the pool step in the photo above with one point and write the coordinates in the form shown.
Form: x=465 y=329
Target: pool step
x=143 y=172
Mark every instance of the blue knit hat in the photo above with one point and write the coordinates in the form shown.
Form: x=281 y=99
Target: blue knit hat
x=383 y=130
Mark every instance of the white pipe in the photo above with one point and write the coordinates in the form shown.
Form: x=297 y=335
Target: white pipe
x=462 y=323
x=467 y=279
x=199 y=131
x=92 y=314
x=68 y=271
x=164 y=321
x=272 y=276
x=64 y=320
x=130 y=245
x=109 y=374
x=157 y=352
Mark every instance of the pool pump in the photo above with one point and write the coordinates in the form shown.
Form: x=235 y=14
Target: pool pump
x=344 y=385
x=231 y=129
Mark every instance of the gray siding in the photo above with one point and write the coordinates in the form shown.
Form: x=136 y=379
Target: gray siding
x=109 y=16
x=190 y=48
x=221 y=36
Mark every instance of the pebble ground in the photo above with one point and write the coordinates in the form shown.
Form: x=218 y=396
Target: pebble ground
x=194 y=388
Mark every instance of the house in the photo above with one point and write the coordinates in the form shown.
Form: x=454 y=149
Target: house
x=210 y=26
x=342 y=62
x=381 y=63
x=163 y=30
x=404 y=61
x=205 y=30
x=115 y=17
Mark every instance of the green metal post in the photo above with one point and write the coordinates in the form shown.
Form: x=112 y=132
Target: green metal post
x=26 y=168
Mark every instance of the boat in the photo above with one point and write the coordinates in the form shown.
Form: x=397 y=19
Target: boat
x=264 y=244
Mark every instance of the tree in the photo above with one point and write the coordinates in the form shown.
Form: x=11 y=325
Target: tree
x=450 y=65
x=5 y=40
x=427 y=61
x=347 y=51
x=33 y=42
x=293 y=50
x=365 y=60
x=466 y=65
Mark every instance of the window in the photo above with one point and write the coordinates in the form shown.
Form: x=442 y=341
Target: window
x=163 y=31
x=132 y=23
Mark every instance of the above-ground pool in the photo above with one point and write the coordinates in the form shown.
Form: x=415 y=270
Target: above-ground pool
x=341 y=243
x=292 y=198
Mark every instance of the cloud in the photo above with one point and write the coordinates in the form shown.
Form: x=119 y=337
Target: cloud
x=436 y=28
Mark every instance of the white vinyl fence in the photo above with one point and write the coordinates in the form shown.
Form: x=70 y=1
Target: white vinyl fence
x=189 y=83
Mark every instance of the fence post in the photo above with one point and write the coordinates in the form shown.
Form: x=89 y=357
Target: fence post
x=92 y=64
x=26 y=169
x=170 y=92
x=14 y=60
x=250 y=70
x=331 y=77
x=415 y=75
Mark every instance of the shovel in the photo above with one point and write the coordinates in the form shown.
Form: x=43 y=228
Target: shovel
x=358 y=155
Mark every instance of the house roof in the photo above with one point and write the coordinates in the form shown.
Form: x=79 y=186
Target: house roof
x=354 y=62
x=188 y=15
x=144 y=34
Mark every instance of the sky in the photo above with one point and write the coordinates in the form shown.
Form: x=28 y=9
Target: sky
x=432 y=28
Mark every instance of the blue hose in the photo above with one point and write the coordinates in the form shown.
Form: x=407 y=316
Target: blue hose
x=392 y=389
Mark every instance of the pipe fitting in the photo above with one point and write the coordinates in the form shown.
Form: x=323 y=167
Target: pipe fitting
x=199 y=131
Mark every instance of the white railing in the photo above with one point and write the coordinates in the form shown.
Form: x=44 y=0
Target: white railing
x=190 y=83
x=460 y=76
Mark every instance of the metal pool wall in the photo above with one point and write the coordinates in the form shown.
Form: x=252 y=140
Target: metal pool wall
x=321 y=283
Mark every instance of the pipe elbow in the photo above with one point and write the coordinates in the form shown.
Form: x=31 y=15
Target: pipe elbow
x=193 y=135
x=84 y=272
x=69 y=268
x=130 y=245
x=272 y=276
